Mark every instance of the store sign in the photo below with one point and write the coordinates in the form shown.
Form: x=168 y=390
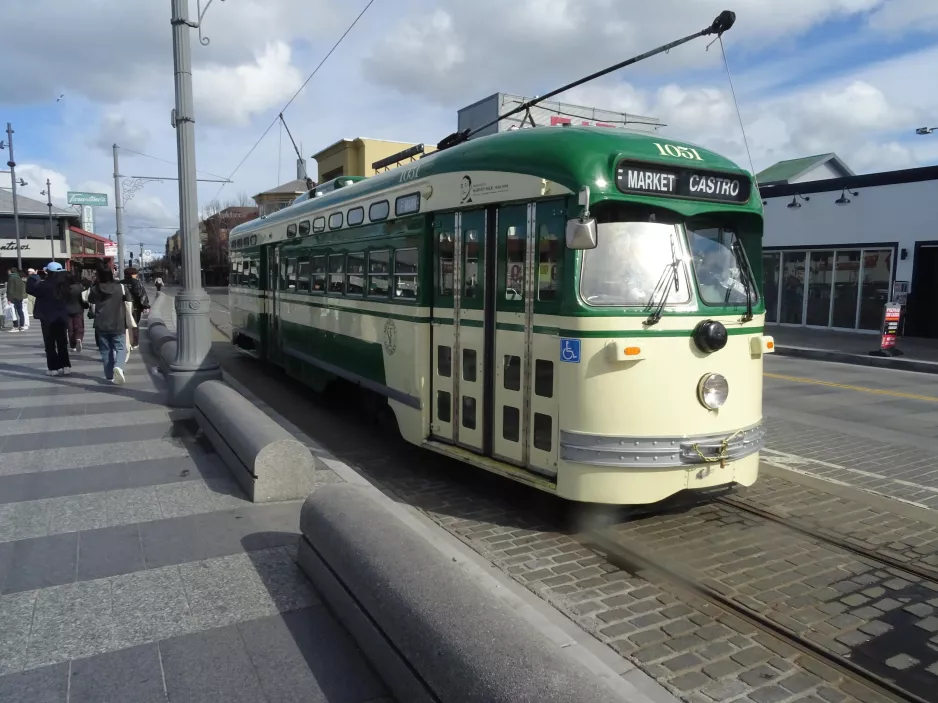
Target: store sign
x=110 y=249
x=8 y=248
x=891 y=315
x=75 y=198
x=900 y=292
x=649 y=179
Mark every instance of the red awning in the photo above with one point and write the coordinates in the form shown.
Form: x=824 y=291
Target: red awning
x=91 y=235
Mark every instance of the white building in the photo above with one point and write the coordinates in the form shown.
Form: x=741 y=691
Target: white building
x=839 y=246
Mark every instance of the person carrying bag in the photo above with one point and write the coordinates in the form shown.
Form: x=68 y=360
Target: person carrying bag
x=113 y=316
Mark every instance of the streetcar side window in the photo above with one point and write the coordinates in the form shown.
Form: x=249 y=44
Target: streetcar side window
x=544 y=378
x=379 y=211
x=319 y=224
x=473 y=264
x=543 y=426
x=378 y=266
x=253 y=275
x=291 y=231
x=406 y=285
x=355 y=216
x=355 y=270
x=446 y=249
x=282 y=272
x=233 y=268
x=337 y=274
x=302 y=275
x=319 y=274
x=291 y=274
x=304 y=228
x=335 y=220
x=548 y=266
x=514 y=264
x=512 y=373
x=245 y=273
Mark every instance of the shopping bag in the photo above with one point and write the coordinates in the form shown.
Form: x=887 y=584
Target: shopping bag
x=129 y=320
x=9 y=313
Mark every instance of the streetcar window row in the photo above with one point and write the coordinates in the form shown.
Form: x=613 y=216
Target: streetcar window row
x=243 y=273
x=356 y=274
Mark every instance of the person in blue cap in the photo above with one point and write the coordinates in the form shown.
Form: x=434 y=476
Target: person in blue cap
x=52 y=310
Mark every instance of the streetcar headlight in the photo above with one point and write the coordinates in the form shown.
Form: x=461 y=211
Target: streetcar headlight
x=712 y=390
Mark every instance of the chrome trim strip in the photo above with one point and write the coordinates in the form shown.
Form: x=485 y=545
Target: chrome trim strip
x=380 y=388
x=655 y=452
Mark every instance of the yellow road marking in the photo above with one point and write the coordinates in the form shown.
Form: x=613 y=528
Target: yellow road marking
x=862 y=389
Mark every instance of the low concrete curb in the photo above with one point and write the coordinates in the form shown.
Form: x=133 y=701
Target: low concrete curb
x=444 y=634
x=265 y=459
x=882 y=362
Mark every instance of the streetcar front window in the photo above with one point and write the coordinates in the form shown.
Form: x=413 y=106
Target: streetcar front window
x=633 y=265
x=723 y=277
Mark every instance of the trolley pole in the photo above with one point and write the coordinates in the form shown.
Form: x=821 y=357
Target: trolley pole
x=51 y=226
x=16 y=212
x=118 y=213
x=192 y=365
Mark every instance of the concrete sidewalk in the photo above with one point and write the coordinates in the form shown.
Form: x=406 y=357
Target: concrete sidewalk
x=132 y=567
x=853 y=348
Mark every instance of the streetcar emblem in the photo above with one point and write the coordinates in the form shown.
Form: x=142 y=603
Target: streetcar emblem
x=570 y=350
x=390 y=337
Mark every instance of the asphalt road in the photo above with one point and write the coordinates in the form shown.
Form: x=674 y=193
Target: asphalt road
x=874 y=429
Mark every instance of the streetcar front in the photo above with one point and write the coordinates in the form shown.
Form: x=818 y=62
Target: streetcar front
x=666 y=391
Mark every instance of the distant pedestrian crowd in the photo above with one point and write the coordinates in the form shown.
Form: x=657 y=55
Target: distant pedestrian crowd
x=60 y=301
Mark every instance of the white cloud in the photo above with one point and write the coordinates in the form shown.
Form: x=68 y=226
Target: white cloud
x=117 y=129
x=897 y=15
x=227 y=94
x=35 y=177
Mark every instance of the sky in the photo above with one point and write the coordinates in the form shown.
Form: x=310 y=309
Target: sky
x=854 y=77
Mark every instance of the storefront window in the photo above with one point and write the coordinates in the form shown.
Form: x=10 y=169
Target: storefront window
x=770 y=281
x=846 y=285
x=792 y=286
x=874 y=289
x=820 y=272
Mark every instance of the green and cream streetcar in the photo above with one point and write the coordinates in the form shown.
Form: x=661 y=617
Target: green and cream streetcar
x=574 y=308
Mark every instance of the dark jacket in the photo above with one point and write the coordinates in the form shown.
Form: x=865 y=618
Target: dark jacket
x=139 y=294
x=75 y=304
x=49 y=306
x=16 y=287
x=109 y=307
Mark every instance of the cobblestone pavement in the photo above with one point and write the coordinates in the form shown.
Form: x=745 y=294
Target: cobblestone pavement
x=700 y=651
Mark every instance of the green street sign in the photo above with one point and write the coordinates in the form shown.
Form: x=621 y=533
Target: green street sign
x=87 y=198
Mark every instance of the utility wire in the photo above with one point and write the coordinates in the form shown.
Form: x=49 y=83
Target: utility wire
x=157 y=158
x=738 y=113
x=290 y=101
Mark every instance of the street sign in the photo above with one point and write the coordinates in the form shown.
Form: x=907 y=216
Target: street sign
x=75 y=198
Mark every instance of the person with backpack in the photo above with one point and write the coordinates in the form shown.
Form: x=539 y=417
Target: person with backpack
x=158 y=283
x=141 y=302
x=76 y=313
x=107 y=298
x=52 y=310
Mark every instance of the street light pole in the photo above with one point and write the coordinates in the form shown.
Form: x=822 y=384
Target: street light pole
x=48 y=192
x=16 y=212
x=118 y=213
x=192 y=365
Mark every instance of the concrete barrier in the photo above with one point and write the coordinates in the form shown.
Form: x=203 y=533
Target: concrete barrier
x=432 y=630
x=159 y=335
x=268 y=462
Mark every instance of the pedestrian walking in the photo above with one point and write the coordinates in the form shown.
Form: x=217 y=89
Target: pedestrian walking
x=16 y=294
x=107 y=297
x=76 y=313
x=141 y=302
x=52 y=310
x=158 y=283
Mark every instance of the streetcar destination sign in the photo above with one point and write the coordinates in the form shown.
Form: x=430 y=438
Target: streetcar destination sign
x=682 y=183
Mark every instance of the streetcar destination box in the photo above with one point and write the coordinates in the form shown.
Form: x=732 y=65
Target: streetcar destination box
x=652 y=179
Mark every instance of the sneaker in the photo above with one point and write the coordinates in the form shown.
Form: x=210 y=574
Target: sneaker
x=118 y=376
x=14 y=329
x=61 y=372
x=78 y=347
x=50 y=372
x=67 y=371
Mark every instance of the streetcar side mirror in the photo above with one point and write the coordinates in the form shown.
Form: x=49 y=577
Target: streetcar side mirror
x=581 y=233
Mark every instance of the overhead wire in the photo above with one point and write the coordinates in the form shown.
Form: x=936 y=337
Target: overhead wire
x=739 y=115
x=165 y=161
x=299 y=90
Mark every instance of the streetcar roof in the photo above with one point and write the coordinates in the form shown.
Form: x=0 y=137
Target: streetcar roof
x=571 y=156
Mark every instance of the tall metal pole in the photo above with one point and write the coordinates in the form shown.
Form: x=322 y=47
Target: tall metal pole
x=16 y=212
x=193 y=328
x=118 y=213
x=51 y=230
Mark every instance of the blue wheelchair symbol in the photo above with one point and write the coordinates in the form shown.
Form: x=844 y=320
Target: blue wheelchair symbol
x=570 y=350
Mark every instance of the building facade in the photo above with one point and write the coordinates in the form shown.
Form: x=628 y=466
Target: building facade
x=357 y=157
x=544 y=114
x=36 y=248
x=837 y=249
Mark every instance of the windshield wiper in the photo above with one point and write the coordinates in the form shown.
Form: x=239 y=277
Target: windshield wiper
x=673 y=281
x=747 y=277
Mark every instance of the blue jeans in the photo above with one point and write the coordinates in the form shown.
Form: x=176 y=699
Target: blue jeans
x=111 y=347
x=20 y=317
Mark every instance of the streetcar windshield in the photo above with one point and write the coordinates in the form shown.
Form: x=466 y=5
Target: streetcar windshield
x=721 y=274
x=634 y=264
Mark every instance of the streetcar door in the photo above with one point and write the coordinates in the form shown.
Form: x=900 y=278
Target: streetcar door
x=276 y=281
x=443 y=422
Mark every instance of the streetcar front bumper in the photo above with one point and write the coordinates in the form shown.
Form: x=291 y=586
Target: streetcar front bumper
x=660 y=452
